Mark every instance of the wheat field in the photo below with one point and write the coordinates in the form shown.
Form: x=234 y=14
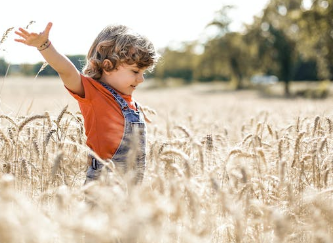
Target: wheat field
x=222 y=166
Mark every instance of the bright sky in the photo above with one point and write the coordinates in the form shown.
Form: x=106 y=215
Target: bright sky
x=77 y=22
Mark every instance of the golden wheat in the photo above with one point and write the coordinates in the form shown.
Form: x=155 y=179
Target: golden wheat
x=252 y=177
x=5 y=35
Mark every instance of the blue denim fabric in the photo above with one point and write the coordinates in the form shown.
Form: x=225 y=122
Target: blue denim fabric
x=131 y=152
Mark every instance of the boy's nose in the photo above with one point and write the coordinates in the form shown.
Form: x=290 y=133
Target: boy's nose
x=140 y=78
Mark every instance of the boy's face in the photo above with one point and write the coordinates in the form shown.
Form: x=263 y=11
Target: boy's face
x=125 y=78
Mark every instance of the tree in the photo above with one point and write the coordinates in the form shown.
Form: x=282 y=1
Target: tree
x=316 y=35
x=3 y=67
x=77 y=60
x=275 y=36
x=178 y=63
x=211 y=65
x=28 y=69
x=226 y=54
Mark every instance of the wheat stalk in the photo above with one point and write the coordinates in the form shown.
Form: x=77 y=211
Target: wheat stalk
x=4 y=137
x=26 y=168
x=209 y=142
x=61 y=114
x=184 y=156
x=297 y=148
x=330 y=125
x=48 y=119
x=184 y=130
x=315 y=125
x=48 y=136
x=30 y=23
x=44 y=65
x=36 y=146
x=270 y=130
x=9 y=119
x=56 y=164
x=29 y=119
x=5 y=35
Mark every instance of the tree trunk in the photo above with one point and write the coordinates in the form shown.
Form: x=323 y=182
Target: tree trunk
x=287 y=88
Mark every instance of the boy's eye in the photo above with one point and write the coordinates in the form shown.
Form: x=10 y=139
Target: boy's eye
x=135 y=71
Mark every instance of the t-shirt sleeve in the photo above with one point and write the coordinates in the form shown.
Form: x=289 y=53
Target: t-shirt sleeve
x=86 y=86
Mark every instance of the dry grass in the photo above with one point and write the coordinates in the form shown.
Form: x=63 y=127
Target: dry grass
x=222 y=167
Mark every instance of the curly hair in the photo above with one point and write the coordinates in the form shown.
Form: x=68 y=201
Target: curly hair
x=119 y=45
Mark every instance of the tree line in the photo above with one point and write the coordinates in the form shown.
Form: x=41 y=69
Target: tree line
x=291 y=40
x=33 y=69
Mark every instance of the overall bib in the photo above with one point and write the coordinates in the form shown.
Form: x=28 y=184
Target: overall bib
x=131 y=152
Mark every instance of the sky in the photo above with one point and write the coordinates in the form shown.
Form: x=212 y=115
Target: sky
x=76 y=23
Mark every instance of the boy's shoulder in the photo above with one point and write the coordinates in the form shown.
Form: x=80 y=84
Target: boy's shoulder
x=91 y=86
x=86 y=78
x=89 y=82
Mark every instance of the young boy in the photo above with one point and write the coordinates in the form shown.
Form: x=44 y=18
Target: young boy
x=114 y=123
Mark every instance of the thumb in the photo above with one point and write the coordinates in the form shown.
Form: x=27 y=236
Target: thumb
x=48 y=28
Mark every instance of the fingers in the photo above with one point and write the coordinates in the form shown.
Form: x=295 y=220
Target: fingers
x=31 y=38
x=23 y=31
x=20 y=40
x=25 y=35
x=20 y=34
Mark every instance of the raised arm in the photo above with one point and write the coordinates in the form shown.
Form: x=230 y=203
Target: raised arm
x=60 y=63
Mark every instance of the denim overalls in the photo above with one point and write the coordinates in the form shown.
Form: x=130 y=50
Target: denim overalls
x=131 y=150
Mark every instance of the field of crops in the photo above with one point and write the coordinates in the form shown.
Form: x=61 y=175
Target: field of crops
x=222 y=166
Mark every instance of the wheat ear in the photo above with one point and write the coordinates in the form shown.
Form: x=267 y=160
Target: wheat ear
x=56 y=164
x=9 y=119
x=315 y=125
x=60 y=116
x=30 y=23
x=41 y=69
x=29 y=119
x=330 y=125
x=5 y=35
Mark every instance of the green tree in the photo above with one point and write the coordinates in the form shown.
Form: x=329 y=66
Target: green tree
x=47 y=71
x=227 y=54
x=3 y=67
x=27 y=69
x=77 y=60
x=178 y=63
x=211 y=65
x=275 y=36
x=316 y=36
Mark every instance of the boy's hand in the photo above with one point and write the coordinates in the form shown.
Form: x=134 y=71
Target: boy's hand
x=34 y=39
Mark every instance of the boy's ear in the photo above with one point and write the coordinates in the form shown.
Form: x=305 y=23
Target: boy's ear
x=107 y=65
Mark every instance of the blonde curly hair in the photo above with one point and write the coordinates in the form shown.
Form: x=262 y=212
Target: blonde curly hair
x=119 y=44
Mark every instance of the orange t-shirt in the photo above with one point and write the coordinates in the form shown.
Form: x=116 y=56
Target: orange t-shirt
x=103 y=119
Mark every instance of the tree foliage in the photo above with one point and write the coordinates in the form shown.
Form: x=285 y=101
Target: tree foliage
x=33 y=69
x=316 y=24
x=179 y=63
x=3 y=67
x=289 y=40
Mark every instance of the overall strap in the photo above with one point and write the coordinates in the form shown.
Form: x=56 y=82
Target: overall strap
x=123 y=104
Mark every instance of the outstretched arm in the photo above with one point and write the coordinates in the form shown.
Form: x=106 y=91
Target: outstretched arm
x=60 y=63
